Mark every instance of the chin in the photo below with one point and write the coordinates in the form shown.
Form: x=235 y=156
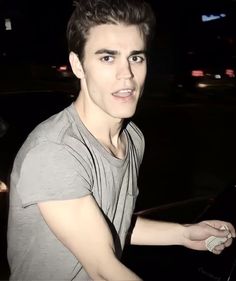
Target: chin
x=123 y=112
x=126 y=115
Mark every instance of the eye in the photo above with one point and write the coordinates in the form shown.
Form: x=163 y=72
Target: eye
x=107 y=59
x=136 y=59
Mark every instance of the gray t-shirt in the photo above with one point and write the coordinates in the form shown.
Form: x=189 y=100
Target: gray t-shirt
x=62 y=160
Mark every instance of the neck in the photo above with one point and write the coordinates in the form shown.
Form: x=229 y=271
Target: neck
x=106 y=129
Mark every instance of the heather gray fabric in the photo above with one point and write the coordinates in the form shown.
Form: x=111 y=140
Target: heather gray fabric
x=61 y=160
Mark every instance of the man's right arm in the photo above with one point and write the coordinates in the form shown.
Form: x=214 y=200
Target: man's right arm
x=81 y=227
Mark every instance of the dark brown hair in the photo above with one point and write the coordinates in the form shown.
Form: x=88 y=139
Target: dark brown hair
x=89 y=13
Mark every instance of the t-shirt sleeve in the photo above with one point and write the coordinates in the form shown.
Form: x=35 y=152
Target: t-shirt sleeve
x=52 y=172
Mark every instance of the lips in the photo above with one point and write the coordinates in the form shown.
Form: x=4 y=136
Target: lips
x=124 y=93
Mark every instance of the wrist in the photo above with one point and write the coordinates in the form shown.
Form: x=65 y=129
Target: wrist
x=184 y=234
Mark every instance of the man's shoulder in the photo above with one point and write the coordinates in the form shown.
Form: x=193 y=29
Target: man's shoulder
x=55 y=129
x=56 y=134
x=134 y=131
x=49 y=131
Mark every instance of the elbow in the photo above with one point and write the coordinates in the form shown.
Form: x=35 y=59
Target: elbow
x=102 y=268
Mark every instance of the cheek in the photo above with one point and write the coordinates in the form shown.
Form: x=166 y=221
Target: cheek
x=100 y=75
x=98 y=82
x=141 y=76
x=140 y=73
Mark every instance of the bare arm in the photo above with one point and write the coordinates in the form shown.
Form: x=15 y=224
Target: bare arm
x=149 y=232
x=81 y=227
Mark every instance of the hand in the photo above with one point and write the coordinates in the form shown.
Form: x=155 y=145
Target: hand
x=195 y=235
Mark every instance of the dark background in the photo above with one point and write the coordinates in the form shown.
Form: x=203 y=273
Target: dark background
x=190 y=141
x=39 y=29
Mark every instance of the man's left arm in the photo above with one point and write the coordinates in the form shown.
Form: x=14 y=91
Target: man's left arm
x=193 y=236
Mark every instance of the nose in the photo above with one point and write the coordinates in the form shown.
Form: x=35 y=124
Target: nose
x=124 y=70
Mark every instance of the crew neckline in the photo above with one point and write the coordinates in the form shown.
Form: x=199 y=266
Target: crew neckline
x=109 y=156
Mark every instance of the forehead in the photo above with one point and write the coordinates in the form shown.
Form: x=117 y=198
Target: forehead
x=115 y=37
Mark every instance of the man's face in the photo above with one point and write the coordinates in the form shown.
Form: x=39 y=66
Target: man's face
x=115 y=69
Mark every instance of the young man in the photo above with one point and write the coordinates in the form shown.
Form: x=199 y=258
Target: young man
x=74 y=181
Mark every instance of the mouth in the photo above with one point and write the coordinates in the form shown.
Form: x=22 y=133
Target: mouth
x=124 y=93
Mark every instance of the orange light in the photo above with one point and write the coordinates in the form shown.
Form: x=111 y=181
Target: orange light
x=197 y=73
x=3 y=187
x=230 y=73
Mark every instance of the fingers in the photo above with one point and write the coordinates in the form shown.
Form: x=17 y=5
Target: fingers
x=219 y=248
x=216 y=244
x=212 y=235
x=231 y=229
x=218 y=224
x=221 y=228
x=228 y=242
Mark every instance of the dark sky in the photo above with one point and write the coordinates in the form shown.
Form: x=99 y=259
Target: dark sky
x=179 y=26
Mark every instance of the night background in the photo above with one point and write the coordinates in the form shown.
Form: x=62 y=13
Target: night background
x=38 y=30
x=187 y=113
x=191 y=143
x=190 y=128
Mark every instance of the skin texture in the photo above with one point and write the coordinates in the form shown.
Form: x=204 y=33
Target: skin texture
x=112 y=79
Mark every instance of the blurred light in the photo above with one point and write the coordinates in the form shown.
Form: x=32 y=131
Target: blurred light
x=8 y=25
x=197 y=73
x=201 y=85
x=206 y=18
x=217 y=76
x=62 y=68
x=3 y=187
x=230 y=73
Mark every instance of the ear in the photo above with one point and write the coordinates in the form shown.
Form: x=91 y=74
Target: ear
x=76 y=65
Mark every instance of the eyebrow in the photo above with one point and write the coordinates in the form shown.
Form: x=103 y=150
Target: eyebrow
x=114 y=52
